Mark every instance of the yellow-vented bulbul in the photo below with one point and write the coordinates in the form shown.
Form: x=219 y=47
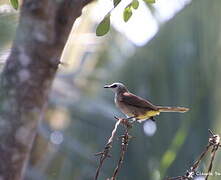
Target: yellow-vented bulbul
x=137 y=107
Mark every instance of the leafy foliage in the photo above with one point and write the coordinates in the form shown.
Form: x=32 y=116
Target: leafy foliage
x=135 y=4
x=104 y=25
x=127 y=13
x=14 y=4
x=128 y=10
x=149 y=1
x=116 y=2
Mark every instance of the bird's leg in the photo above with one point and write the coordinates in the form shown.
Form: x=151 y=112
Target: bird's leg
x=152 y=119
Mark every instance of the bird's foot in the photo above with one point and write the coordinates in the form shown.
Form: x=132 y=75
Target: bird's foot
x=131 y=119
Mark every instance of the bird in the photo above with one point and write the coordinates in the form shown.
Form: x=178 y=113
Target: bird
x=137 y=107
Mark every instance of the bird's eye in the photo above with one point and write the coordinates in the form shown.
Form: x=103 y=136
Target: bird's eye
x=114 y=86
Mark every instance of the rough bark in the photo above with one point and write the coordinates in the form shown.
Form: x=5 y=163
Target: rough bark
x=42 y=32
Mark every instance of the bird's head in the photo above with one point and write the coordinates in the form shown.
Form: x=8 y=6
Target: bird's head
x=116 y=87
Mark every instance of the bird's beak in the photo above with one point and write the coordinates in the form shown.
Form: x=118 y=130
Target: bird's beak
x=107 y=86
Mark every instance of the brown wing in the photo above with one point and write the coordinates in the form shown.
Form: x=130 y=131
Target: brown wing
x=136 y=101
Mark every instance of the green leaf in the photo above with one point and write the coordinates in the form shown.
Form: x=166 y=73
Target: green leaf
x=116 y=2
x=14 y=4
x=149 y=1
x=135 y=4
x=104 y=26
x=127 y=13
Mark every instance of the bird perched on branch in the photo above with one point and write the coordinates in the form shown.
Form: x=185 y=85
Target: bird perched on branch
x=137 y=107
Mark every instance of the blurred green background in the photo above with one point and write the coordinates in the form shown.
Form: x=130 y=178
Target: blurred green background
x=180 y=65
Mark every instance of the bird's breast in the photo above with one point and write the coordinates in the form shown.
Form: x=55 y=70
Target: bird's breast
x=123 y=108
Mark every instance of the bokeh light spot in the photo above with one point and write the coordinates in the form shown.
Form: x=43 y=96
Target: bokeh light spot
x=199 y=178
x=56 y=137
x=149 y=128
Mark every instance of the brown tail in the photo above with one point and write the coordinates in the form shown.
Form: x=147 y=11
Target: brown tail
x=172 y=109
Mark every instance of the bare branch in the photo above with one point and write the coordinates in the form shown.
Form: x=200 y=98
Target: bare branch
x=214 y=142
x=197 y=162
x=124 y=143
x=105 y=153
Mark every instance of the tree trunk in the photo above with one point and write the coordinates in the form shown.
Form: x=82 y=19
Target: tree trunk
x=42 y=32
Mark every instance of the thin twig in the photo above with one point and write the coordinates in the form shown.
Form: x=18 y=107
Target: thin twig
x=191 y=173
x=124 y=143
x=214 y=142
x=211 y=163
x=197 y=162
x=105 y=153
